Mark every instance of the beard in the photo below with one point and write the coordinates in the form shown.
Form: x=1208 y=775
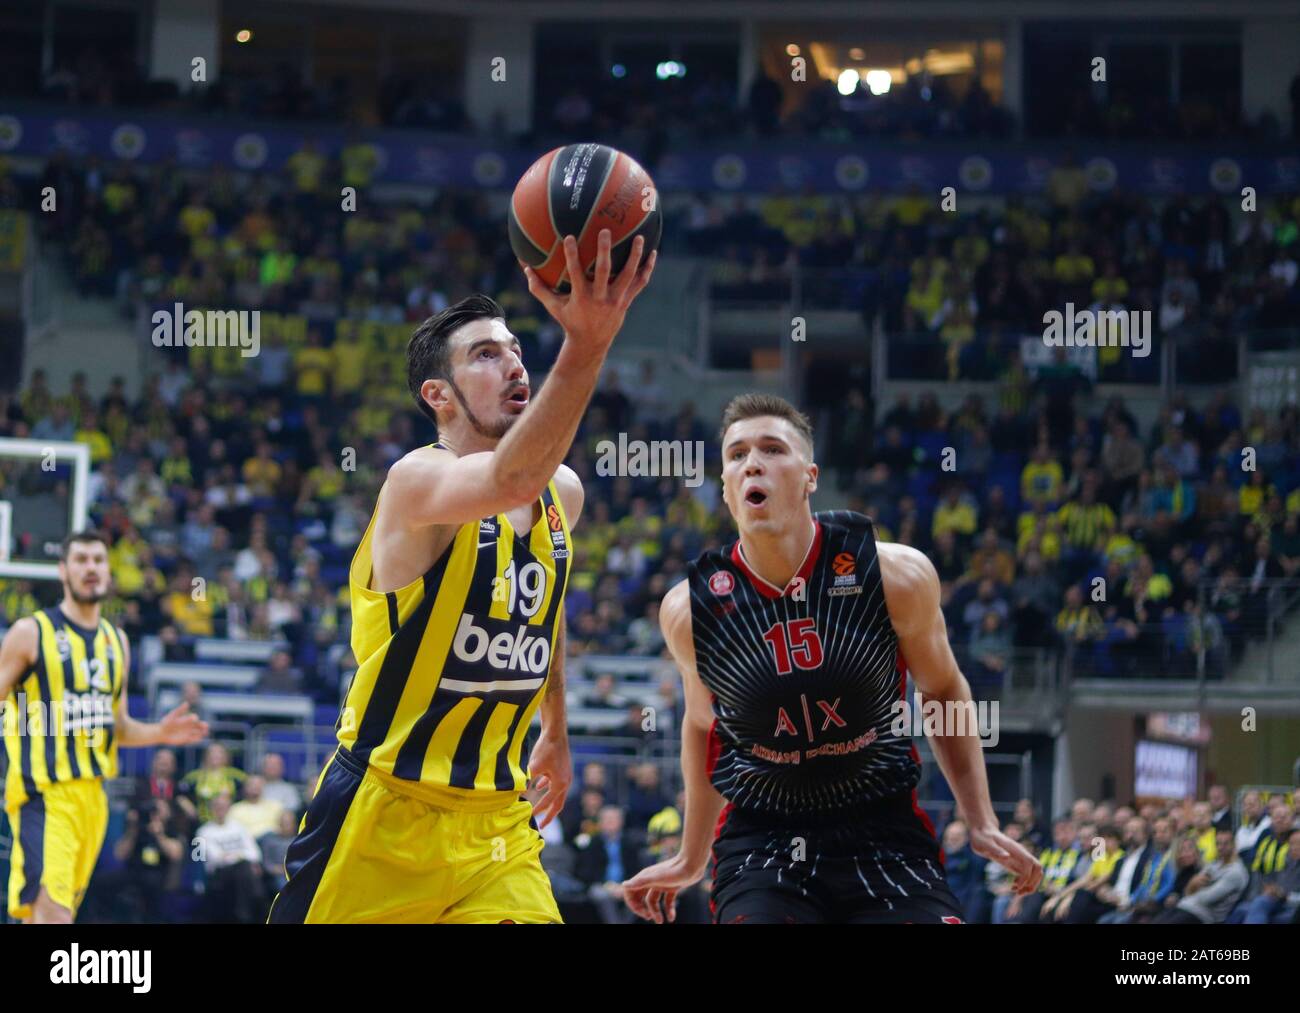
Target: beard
x=493 y=431
x=91 y=598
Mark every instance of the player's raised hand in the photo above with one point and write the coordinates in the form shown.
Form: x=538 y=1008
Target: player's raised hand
x=181 y=728
x=592 y=313
x=653 y=890
x=998 y=847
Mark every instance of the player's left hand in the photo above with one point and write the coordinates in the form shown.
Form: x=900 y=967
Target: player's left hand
x=550 y=772
x=998 y=847
x=181 y=728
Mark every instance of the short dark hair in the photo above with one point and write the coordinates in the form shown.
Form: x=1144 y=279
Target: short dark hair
x=78 y=537
x=748 y=406
x=427 y=356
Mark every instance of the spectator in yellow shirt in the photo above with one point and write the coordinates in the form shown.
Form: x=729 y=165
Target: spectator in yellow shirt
x=1078 y=621
x=955 y=512
x=913 y=208
x=350 y=361
x=1086 y=523
x=1039 y=535
x=1252 y=496
x=1040 y=481
x=1203 y=827
x=196 y=219
x=924 y=297
x=176 y=469
x=1110 y=289
x=324 y=483
x=191 y=612
x=127 y=560
x=990 y=551
x=262 y=472
x=955 y=322
x=360 y=162
x=307 y=167
x=1074 y=268
x=16 y=600
x=89 y=433
x=119 y=193
x=312 y=367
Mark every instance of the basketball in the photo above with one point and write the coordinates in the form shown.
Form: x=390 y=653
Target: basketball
x=579 y=190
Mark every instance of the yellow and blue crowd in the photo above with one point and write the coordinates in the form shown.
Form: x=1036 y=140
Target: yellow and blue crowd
x=1133 y=550
x=1219 y=860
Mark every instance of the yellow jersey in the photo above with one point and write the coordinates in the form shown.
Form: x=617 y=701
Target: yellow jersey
x=59 y=716
x=452 y=667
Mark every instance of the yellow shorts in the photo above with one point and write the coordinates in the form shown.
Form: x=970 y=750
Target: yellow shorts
x=57 y=836
x=373 y=848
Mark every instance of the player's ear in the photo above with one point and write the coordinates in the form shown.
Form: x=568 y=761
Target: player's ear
x=436 y=394
x=812 y=479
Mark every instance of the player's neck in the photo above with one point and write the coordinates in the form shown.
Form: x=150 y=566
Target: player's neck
x=82 y=615
x=469 y=442
x=776 y=556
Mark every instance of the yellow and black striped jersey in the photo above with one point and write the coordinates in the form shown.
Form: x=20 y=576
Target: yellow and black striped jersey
x=1085 y=525
x=452 y=667
x=59 y=716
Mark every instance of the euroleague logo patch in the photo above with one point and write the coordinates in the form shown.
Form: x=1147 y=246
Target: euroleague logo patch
x=845 y=581
x=556 y=523
x=722 y=583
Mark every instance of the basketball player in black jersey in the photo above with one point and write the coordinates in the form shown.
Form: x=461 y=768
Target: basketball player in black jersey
x=794 y=646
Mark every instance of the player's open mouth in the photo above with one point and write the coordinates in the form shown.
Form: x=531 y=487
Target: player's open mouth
x=756 y=497
x=519 y=397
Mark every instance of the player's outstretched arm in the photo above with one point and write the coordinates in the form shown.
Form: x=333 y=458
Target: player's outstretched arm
x=177 y=727
x=912 y=596
x=431 y=486
x=653 y=889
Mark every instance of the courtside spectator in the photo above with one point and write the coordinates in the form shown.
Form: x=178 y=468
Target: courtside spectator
x=231 y=867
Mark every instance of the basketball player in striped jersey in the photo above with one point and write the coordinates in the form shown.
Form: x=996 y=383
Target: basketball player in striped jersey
x=794 y=645
x=458 y=630
x=63 y=693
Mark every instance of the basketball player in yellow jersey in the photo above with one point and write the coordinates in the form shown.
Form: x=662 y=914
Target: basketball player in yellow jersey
x=63 y=695
x=458 y=631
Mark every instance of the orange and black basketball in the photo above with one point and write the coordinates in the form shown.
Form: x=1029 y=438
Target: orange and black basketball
x=578 y=190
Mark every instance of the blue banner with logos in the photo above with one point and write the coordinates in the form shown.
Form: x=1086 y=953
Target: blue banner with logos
x=421 y=157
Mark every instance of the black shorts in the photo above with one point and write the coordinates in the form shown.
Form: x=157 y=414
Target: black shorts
x=879 y=865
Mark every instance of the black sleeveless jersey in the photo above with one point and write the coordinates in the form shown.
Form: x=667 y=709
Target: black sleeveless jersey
x=804 y=679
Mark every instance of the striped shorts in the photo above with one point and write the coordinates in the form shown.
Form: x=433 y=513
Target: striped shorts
x=880 y=865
